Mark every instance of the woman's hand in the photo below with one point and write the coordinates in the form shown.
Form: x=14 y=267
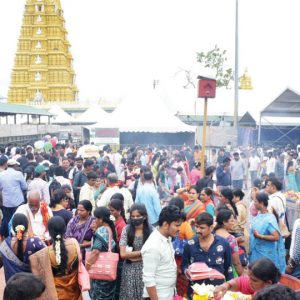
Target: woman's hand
x=220 y=290
x=257 y=234
x=85 y=244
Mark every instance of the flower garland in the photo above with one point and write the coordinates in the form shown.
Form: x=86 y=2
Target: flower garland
x=45 y=214
x=57 y=250
x=20 y=230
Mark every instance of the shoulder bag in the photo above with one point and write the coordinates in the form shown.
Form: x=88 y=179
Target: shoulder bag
x=105 y=267
x=83 y=275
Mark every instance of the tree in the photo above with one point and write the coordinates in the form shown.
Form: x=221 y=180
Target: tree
x=215 y=60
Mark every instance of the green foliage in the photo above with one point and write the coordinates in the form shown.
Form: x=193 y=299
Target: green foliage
x=215 y=60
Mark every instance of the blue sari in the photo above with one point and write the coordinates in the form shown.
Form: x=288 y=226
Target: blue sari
x=266 y=224
x=11 y=263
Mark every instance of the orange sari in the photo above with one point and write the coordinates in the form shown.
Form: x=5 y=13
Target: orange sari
x=67 y=286
x=194 y=209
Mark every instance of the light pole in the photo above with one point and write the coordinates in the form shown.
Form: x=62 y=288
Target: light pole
x=236 y=68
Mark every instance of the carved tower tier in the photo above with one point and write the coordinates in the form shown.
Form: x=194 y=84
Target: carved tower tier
x=43 y=68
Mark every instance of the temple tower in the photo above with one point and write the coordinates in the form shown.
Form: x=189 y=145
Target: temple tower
x=43 y=68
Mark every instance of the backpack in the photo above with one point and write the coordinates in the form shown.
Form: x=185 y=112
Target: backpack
x=54 y=185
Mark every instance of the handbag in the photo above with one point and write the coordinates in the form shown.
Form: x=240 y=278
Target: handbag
x=105 y=267
x=83 y=275
x=283 y=225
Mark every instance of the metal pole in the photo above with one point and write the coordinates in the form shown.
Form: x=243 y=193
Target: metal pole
x=259 y=129
x=236 y=67
x=203 y=138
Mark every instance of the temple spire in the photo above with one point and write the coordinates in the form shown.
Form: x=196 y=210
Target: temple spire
x=43 y=67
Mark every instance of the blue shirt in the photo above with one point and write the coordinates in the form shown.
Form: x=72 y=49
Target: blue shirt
x=12 y=185
x=148 y=195
x=218 y=256
x=223 y=177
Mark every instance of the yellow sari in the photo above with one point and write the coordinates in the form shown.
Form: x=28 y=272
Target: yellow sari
x=43 y=265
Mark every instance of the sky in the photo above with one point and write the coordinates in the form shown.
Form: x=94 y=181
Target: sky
x=121 y=46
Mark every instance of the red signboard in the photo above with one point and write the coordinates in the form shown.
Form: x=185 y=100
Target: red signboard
x=207 y=88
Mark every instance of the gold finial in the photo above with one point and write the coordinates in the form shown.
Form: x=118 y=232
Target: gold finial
x=245 y=81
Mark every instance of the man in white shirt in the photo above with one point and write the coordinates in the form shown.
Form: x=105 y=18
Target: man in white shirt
x=36 y=218
x=39 y=184
x=87 y=191
x=159 y=266
x=254 y=163
x=277 y=200
x=270 y=164
x=113 y=188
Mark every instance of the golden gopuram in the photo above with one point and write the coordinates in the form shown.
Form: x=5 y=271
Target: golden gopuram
x=43 y=68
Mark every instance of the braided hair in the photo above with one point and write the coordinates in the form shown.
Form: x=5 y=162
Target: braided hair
x=57 y=229
x=20 y=226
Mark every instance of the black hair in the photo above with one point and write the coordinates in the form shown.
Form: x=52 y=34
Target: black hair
x=23 y=286
x=263 y=198
x=148 y=175
x=58 y=195
x=20 y=219
x=169 y=214
x=223 y=216
x=257 y=183
x=276 y=183
x=210 y=170
x=228 y=194
x=57 y=229
x=147 y=229
x=79 y=159
x=66 y=186
x=208 y=191
x=92 y=175
x=29 y=156
x=204 y=219
x=103 y=213
x=87 y=163
x=87 y=205
x=59 y=171
x=239 y=193
x=265 y=270
x=118 y=204
x=276 y=292
x=119 y=196
x=179 y=202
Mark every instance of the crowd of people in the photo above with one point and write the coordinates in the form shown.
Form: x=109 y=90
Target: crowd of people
x=62 y=211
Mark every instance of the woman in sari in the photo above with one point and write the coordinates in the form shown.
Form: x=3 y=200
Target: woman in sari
x=102 y=289
x=206 y=198
x=265 y=238
x=79 y=226
x=225 y=222
x=194 y=206
x=15 y=251
x=57 y=265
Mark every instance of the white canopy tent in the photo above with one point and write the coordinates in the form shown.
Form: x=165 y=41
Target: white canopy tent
x=144 y=113
x=92 y=115
x=60 y=116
